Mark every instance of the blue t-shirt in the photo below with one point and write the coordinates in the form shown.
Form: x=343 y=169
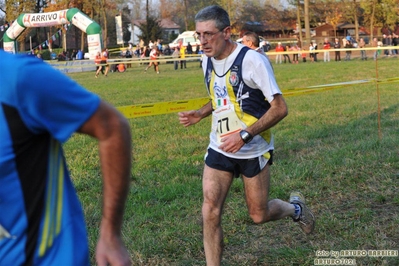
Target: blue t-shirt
x=40 y=108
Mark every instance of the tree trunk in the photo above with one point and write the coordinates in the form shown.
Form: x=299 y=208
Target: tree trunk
x=64 y=42
x=372 y=20
x=82 y=41
x=298 y=16
x=105 y=32
x=307 y=25
x=356 y=20
x=185 y=14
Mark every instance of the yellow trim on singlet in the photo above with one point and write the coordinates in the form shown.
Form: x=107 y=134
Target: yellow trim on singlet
x=53 y=201
x=244 y=117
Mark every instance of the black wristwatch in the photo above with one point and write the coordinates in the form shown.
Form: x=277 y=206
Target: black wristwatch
x=245 y=136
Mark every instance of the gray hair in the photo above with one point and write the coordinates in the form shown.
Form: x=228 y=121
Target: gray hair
x=253 y=37
x=215 y=13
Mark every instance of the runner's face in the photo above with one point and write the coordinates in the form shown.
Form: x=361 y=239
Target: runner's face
x=212 y=39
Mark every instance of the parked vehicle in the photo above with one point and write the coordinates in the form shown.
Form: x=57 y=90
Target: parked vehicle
x=184 y=38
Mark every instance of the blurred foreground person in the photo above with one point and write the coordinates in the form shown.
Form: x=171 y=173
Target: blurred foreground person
x=42 y=220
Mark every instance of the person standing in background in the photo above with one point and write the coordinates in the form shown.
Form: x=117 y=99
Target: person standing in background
x=183 y=57
x=362 y=44
x=326 y=46
x=337 y=45
x=279 y=51
x=176 y=55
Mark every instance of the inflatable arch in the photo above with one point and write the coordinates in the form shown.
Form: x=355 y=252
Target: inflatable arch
x=73 y=15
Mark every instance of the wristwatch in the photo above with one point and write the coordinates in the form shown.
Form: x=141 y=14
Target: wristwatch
x=245 y=136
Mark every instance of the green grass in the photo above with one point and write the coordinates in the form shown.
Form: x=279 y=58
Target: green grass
x=328 y=147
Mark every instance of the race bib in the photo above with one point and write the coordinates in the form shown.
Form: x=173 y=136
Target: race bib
x=225 y=122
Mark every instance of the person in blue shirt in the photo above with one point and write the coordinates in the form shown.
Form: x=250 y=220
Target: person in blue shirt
x=79 y=55
x=41 y=220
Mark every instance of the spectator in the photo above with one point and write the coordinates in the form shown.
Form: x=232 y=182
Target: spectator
x=175 y=56
x=167 y=51
x=183 y=57
x=362 y=44
x=121 y=67
x=62 y=56
x=266 y=46
x=295 y=49
x=159 y=45
x=343 y=42
x=147 y=51
x=79 y=55
x=326 y=46
x=74 y=54
x=337 y=45
x=348 y=52
x=385 y=43
x=311 y=52
x=375 y=43
x=141 y=44
x=303 y=55
x=137 y=51
x=314 y=44
x=279 y=50
x=189 y=48
x=395 y=42
x=128 y=55
x=201 y=53
x=286 y=56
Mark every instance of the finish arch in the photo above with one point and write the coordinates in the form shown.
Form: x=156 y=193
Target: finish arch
x=73 y=15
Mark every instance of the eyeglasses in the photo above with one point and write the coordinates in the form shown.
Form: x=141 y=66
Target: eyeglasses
x=207 y=36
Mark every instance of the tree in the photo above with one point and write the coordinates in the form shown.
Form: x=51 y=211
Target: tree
x=299 y=24
x=151 y=30
x=334 y=16
x=13 y=9
x=389 y=12
x=307 y=25
x=371 y=8
x=126 y=21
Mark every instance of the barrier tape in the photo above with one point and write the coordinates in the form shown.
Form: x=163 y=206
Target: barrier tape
x=320 y=51
x=141 y=110
x=197 y=57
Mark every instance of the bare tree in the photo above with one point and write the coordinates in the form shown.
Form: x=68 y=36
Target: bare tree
x=299 y=23
x=307 y=25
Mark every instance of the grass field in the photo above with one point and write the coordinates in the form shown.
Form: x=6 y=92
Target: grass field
x=329 y=147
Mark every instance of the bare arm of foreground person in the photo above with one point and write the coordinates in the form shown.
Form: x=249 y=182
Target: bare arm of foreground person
x=113 y=133
x=194 y=116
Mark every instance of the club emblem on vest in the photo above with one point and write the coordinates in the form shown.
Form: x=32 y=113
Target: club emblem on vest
x=219 y=91
x=233 y=79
